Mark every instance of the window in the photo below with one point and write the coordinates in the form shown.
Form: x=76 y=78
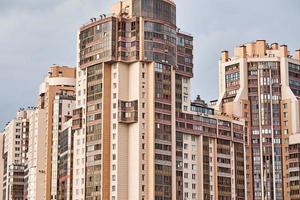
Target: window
x=186 y=175
x=185 y=156
x=185 y=146
x=193 y=157
x=186 y=185
x=186 y=165
x=185 y=98
x=193 y=176
x=193 y=138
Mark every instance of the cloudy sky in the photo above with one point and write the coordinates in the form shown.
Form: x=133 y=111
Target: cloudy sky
x=34 y=34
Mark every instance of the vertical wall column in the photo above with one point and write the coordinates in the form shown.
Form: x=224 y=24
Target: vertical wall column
x=106 y=131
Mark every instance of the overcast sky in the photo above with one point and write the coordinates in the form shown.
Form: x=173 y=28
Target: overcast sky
x=34 y=34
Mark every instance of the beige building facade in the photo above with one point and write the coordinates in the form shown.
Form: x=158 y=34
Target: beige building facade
x=65 y=161
x=133 y=84
x=260 y=83
x=36 y=164
x=28 y=143
x=63 y=106
x=79 y=128
x=59 y=81
x=14 y=155
x=210 y=158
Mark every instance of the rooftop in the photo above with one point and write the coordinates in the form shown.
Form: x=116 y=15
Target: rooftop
x=259 y=49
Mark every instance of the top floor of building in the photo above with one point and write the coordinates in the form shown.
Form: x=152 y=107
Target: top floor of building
x=204 y=120
x=260 y=49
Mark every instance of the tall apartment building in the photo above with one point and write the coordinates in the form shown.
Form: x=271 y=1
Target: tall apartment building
x=79 y=128
x=60 y=81
x=260 y=83
x=35 y=178
x=30 y=138
x=14 y=155
x=209 y=154
x=65 y=161
x=63 y=106
x=294 y=166
x=133 y=83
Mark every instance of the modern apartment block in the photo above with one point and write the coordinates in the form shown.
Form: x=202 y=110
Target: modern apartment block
x=133 y=84
x=24 y=141
x=59 y=81
x=35 y=178
x=14 y=156
x=209 y=155
x=63 y=106
x=65 y=161
x=261 y=83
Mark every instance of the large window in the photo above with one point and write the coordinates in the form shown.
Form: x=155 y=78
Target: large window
x=159 y=9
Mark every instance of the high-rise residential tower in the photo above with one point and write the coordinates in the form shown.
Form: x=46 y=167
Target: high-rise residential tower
x=133 y=83
x=209 y=154
x=35 y=178
x=129 y=60
x=59 y=81
x=261 y=83
x=63 y=106
x=14 y=155
x=65 y=162
x=30 y=141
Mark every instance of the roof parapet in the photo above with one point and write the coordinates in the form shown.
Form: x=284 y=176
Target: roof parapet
x=284 y=51
x=225 y=56
x=297 y=54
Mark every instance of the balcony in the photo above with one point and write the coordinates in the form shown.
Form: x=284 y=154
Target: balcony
x=77 y=119
x=128 y=111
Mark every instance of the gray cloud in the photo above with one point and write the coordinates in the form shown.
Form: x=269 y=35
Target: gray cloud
x=35 y=34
